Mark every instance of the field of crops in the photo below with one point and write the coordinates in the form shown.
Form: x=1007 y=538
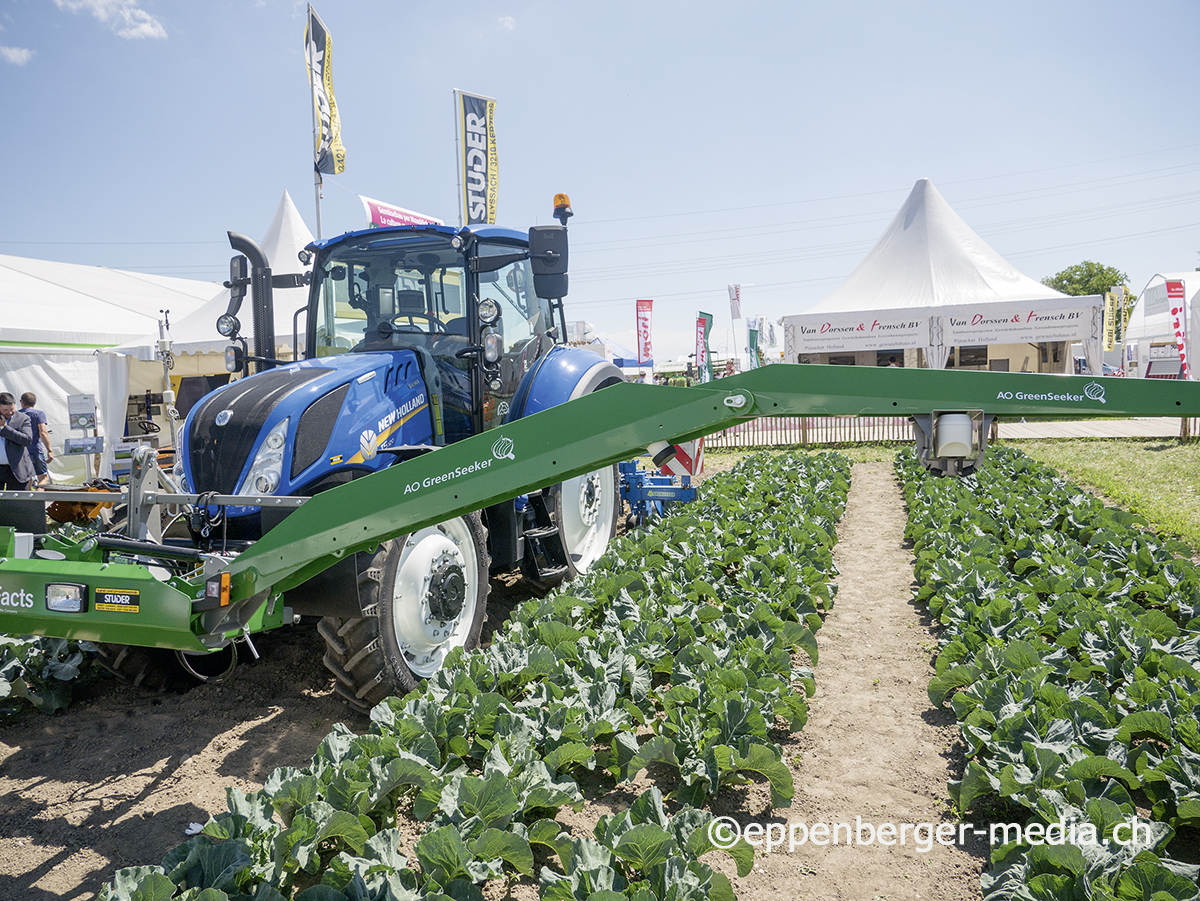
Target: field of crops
x=1069 y=654
x=675 y=657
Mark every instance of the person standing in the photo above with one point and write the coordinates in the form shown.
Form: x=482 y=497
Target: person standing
x=39 y=451
x=16 y=429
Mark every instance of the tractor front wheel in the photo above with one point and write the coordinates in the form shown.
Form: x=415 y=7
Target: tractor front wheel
x=422 y=596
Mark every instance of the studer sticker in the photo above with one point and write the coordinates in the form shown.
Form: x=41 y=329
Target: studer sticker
x=123 y=601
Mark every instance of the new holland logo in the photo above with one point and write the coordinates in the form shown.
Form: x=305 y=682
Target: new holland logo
x=1095 y=391
x=223 y=417
x=503 y=449
x=368 y=443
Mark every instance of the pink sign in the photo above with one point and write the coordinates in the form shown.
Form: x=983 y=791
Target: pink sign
x=380 y=214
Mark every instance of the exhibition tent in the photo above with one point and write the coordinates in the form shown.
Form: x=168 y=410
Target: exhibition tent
x=1150 y=336
x=931 y=282
x=56 y=315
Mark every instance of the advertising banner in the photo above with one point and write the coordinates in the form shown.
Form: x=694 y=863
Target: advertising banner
x=644 y=353
x=840 y=332
x=380 y=214
x=480 y=164
x=735 y=301
x=752 y=346
x=1177 y=300
x=1111 y=302
x=328 y=152
x=968 y=327
x=704 y=371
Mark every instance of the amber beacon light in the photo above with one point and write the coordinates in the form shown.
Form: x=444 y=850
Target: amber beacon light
x=562 y=208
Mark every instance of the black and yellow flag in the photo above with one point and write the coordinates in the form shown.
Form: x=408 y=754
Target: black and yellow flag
x=480 y=165
x=328 y=152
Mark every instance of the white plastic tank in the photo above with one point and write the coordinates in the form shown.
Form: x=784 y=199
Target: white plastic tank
x=954 y=432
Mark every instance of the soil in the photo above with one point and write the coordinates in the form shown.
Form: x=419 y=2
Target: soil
x=116 y=779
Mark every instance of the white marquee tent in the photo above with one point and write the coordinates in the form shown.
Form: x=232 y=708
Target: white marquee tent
x=132 y=367
x=1150 y=339
x=931 y=282
x=56 y=315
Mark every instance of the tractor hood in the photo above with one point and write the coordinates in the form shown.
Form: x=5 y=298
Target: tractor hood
x=327 y=412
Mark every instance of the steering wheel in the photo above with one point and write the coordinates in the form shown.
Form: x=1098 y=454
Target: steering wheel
x=148 y=426
x=436 y=326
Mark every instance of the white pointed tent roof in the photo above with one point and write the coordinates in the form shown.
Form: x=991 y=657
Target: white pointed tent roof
x=197 y=332
x=929 y=257
x=47 y=303
x=1151 y=317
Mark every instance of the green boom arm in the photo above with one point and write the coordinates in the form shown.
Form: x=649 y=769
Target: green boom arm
x=539 y=450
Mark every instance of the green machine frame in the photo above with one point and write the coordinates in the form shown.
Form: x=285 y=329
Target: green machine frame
x=127 y=597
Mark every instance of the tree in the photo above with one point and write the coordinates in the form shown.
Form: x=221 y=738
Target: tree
x=1086 y=278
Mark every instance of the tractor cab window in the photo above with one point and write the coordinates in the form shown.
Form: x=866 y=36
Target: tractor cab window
x=524 y=325
x=387 y=291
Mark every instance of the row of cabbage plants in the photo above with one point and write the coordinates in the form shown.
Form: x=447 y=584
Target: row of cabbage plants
x=673 y=656
x=1070 y=654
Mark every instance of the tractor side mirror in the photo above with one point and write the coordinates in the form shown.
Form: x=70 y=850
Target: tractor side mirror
x=548 y=257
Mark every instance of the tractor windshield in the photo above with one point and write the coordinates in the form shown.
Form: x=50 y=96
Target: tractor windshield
x=389 y=291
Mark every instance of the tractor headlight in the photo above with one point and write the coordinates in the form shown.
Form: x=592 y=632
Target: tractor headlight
x=267 y=470
x=489 y=311
x=64 y=597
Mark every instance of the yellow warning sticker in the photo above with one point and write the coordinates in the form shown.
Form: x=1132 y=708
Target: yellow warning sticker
x=124 y=600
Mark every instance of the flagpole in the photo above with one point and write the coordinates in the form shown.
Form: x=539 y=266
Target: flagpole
x=458 y=155
x=312 y=92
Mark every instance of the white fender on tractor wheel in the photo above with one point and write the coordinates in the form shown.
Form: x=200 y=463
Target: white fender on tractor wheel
x=423 y=595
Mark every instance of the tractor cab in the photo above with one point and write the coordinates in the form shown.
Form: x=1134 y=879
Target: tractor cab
x=463 y=300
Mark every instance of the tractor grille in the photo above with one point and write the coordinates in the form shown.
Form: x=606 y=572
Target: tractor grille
x=314 y=429
x=218 y=453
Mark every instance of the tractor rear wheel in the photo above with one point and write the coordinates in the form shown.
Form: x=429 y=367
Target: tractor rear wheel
x=422 y=596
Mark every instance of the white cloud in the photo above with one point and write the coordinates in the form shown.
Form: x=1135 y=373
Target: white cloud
x=18 y=56
x=508 y=23
x=122 y=16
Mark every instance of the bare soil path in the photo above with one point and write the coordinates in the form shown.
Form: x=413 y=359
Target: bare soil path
x=874 y=748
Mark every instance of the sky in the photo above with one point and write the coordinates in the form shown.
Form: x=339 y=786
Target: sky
x=703 y=144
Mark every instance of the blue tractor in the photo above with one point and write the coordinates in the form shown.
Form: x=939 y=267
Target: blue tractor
x=416 y=337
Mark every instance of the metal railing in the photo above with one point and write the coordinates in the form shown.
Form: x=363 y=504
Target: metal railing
x=778 y=431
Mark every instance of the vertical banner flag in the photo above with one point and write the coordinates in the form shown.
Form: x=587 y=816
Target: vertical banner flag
x=380 y=214
x=735 y=301
x=645 y=354
x=1110 y=320
x=480 y=164
x=704 y=323
x=752 y=345
x=329 y=154
x=1177 y=301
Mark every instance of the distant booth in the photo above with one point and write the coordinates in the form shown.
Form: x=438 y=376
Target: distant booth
x=1152 y=348
x=932 y=293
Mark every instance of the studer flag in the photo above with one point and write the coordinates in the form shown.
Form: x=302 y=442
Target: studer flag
x=704 y=323
x=480 y=164
x=735 y=301
x=645 y=354
x=329 y=154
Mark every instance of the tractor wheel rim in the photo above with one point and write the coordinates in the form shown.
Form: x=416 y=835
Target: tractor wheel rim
x=588 y=511
x=435 y=594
